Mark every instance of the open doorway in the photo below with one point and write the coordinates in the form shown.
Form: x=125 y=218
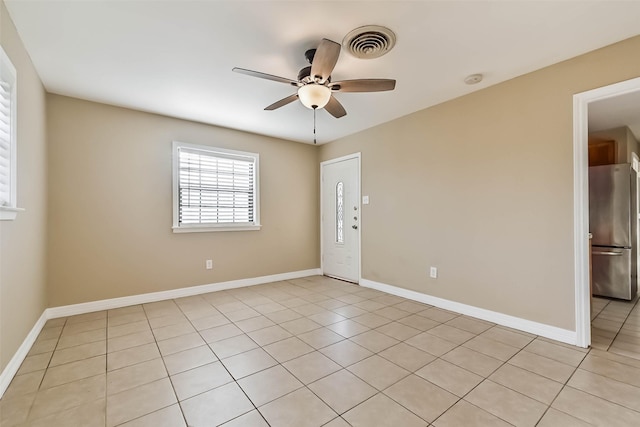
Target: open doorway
x=625 y=92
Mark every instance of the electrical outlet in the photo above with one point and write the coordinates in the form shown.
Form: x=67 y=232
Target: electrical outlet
x=209 y=264
x=433 y=272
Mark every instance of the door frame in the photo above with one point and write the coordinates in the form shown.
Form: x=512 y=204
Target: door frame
x=359 y=199
x=581 y=103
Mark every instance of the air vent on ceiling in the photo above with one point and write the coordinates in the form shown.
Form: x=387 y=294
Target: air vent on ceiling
x=370 y=41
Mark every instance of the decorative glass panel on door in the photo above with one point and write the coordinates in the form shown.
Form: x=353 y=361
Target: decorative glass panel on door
x=339 y=212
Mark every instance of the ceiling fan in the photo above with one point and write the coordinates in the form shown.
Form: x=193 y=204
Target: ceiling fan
x=315 y=88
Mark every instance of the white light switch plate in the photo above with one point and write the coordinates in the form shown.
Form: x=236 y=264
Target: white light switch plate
x=365 y=200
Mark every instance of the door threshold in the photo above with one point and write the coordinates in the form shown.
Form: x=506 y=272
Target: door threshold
x=342 y=279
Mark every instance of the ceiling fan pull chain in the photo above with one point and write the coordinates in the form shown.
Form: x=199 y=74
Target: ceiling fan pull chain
x=314 y=126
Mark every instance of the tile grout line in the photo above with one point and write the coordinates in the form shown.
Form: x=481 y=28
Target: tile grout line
x=314 y=291
x=485 y=378
x=155 y=341
x=623 y=323
x=516 y=391
x=604 y=309
x=346 y=368
x=39 y=388
x=280 y=364
x=594 y=395
x=45 y=372
x=373 y=354
x=259 y=346
x=222 y=364
x=304 y=386
x=459 y=398
x=564 y=385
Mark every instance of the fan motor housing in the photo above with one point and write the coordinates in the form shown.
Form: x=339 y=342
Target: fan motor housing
x=309 y=54
x=304 y=73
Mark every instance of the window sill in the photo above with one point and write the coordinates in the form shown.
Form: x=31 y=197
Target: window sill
x=9 y=214
x=218 y=228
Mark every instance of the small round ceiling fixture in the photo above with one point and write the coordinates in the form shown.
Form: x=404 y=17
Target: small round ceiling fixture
x=473 y=79
x=370 y=41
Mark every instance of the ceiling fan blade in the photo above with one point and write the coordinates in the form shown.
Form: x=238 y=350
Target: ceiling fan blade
x=325 y=59
x=363 y=85
x=284 y=101
x=265 y=76
x=335 y=108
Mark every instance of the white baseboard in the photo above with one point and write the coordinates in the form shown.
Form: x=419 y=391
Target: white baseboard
x=71 y=310
x=14 y=364
x=109 y=304
x=541 y=329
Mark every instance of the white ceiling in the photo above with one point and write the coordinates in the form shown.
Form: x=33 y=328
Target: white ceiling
x=175 y=57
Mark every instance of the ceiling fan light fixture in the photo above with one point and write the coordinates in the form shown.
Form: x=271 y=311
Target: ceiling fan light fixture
x=314 y=96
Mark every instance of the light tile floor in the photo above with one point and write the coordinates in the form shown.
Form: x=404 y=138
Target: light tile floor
x=317 y=351
x=615 y=326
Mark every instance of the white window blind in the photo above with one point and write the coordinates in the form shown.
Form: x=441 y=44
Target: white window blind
x=215 y=188
x=5 y=143
x=7 y=137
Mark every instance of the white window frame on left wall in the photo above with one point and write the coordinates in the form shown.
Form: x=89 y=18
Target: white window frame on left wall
x=8 y=76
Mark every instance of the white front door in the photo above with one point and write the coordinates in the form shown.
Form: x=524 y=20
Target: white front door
x=341 y=218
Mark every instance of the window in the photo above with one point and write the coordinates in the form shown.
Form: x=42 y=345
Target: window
x=214 y=189
x=8 y=208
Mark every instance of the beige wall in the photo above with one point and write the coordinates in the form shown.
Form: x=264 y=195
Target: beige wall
x=23 y=241
x=482 y=188
x=633 y=146
x=110 y=211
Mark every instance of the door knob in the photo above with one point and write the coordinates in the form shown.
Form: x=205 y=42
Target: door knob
x=355 y=227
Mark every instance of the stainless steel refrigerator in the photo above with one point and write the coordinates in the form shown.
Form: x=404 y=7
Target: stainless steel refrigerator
x=613 y=219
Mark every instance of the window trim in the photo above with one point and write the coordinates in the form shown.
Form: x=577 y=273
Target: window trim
x=10 y=212
x=197 y=228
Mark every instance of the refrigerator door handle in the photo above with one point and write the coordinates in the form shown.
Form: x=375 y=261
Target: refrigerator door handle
x=607 y=253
